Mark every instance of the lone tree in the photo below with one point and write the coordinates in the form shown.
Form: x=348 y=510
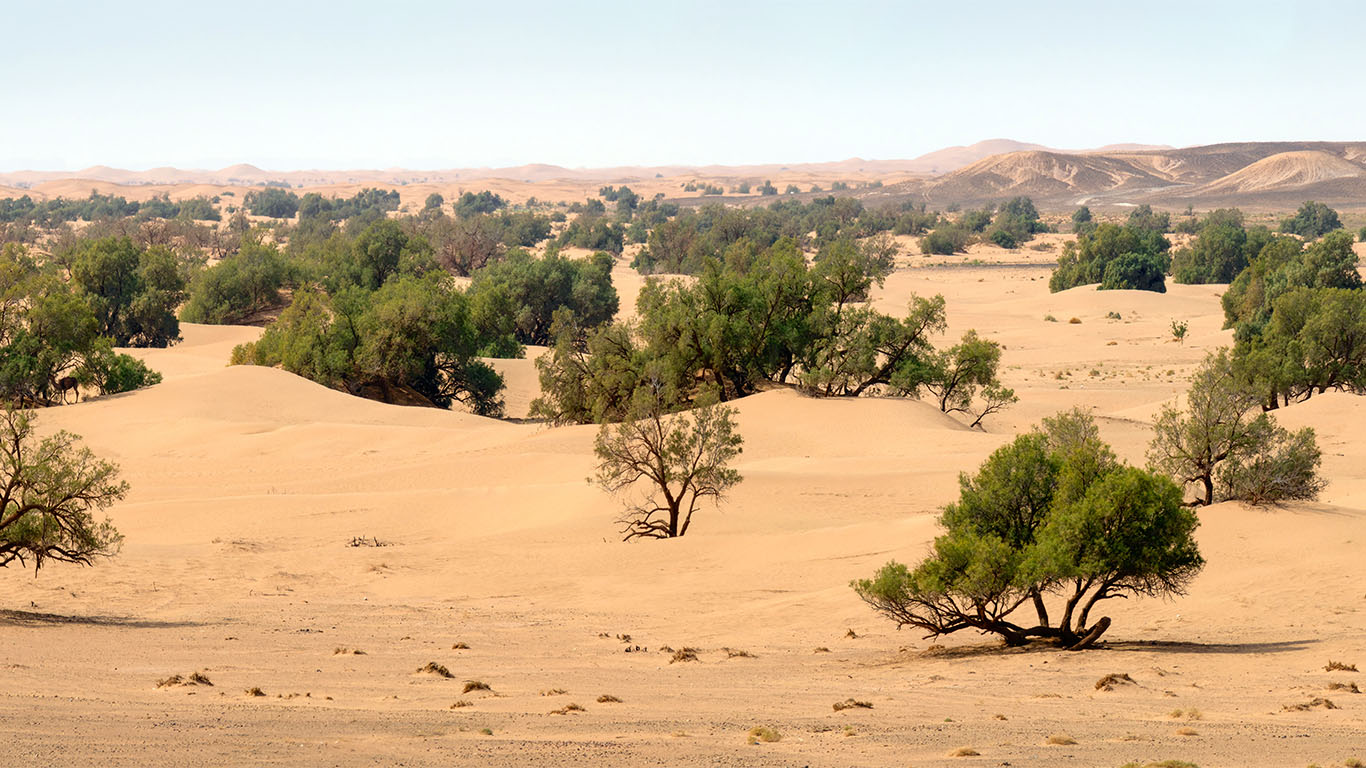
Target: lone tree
x=1052 y=515
x=50 y=489
x=681 y=459
x=1226 y=445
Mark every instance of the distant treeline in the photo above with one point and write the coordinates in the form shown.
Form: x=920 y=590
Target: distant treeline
x=98 y=207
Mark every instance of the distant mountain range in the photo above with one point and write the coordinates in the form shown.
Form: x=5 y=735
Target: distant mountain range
x=1255 y=174
x=1273 y=175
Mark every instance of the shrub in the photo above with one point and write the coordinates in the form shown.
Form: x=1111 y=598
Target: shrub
x=1085 y=261
x=1135 y=272
x=945 y=240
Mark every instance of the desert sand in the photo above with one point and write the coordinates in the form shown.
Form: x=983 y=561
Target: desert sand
x=249 y=486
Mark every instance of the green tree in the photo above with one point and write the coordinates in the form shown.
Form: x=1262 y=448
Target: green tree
x=237 y=287
x=1312 y=220
x=1084 y=261
x=1051 y=515
x=965 y=372
x=1223 y=440
x=1135 y=272
x=274 y=202
x=52 y=489
x=133 y=293
x=532 y=289
x=681 y=460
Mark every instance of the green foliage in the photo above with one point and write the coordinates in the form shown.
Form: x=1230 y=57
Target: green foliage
x=238 y=286
x=410 y=333
x=965 y=372
x=1314 y=342
x=1016 y=222
x=274 y=202
x=112 y=372
x=1135 y=272
x=1282 y=265
x=1224 y=443
x=946 y=240
x=1082 y=221
x=530 y=291
x=434 y=202
x=767 y=189
x=1051 y=515
x=471 y=204
x=132 y=292
x=51 y=489
x=1145 y=218
x=1179 y=330
x=1312 y=220
x=1221 y=251
x=681 y=460
x=1086 y=260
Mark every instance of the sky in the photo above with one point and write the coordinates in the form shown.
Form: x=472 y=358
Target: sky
x=429 y=85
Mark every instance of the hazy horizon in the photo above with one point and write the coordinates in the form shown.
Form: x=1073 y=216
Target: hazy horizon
x=433 y=86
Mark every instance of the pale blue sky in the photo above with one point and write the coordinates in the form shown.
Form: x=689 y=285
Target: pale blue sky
x=287 y=85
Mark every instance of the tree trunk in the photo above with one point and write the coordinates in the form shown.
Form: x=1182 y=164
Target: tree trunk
x=1040 y=608
x=1090 y=638
x=1208 y=481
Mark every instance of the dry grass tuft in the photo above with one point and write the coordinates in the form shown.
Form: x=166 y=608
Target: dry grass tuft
x=1346 y=687
x=763 y=733
x=999 y=716
x=1060 y=740
x=340 y=651
x=554 y=692
x=684 y=654
x=1187 y=732
x=195 y=678
x=1314 y=703
x=255 y=691
x=1111 y=680
x=608 y=698
x=737 y=653
x=476 y=685
x=851 y=634
x=849 y=731
x=1075 y=321
x=1189 y=714
x=486 y=731
x=821 y=649
x=462 y=704
x=461 y=646
x=852 y=704
x=964 y=752
x=1352 y=762
x=1338 y=666
x=436 y=669
x=566 y=709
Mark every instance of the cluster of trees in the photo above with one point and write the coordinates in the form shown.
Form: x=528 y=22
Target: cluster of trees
x=1013 y=223
x=56 y=335
x=766 y=317
x=1118 y=257
x=1312 y=220
x=379 y=314
x=1299 y=319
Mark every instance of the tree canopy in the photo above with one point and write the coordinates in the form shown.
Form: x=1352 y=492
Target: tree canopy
x=1051 y=516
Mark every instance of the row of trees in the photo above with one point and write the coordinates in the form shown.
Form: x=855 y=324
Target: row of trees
x=1009 y=225
x=98 y=207
x=766 y=317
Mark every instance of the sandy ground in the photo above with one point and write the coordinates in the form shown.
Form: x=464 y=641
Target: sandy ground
x=249 y=485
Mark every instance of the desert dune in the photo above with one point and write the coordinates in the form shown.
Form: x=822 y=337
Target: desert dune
x=273 y=522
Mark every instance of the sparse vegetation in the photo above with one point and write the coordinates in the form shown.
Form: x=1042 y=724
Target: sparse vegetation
x=475 y=685
x=1179 y=329
x=433 y=668
x=852 y=704
x=762 y=733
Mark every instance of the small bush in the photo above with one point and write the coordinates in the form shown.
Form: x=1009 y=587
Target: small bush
x=1075 y=321
x=1338 y=666
x=840 y=706
x=475 y=685
x=1050 y=319
x=462 y=704
x=608 y=698
x=439 y=670
x=964 y=752
x=1061 y=740
x=684 y=654
x=763 y=733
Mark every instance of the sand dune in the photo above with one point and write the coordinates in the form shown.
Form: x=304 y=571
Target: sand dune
x=1287 y=169
x=249 y=485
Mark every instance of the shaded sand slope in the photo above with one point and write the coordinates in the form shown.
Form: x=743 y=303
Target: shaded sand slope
x=249 y=485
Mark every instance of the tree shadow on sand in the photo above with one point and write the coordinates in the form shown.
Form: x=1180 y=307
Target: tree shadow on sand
x=996 y=648
x=12 y=618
